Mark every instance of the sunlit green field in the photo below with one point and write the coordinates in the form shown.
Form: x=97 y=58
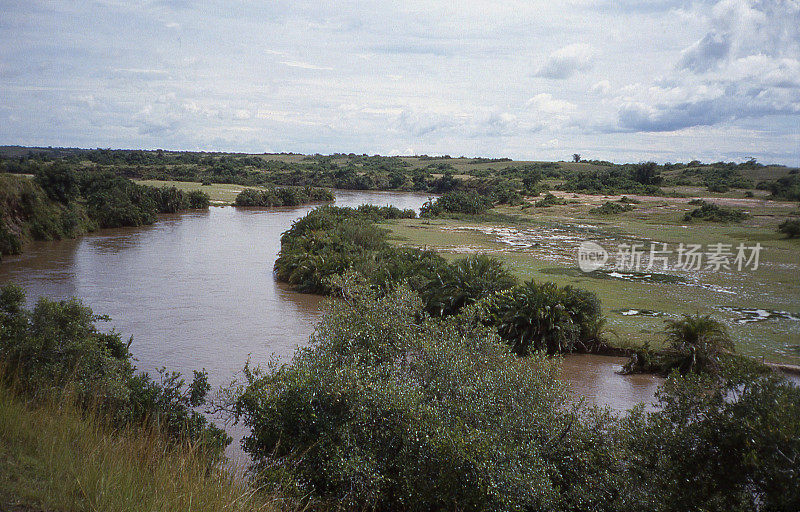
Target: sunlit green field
x=218 y=193
x=542 y=243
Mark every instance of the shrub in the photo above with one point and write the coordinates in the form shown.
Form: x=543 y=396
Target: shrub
x=282 y=196
x=697 y=344
x=544 y=317
x=790 y=228
x=464 y=282
x=27 y=212
x=623 y=179
x=57 y=346
x=391 y=410
x=610 y=208
x=549 y=200
x=786 y=187
x=59 y=182
x=469 y=203
x=386 y=212
x=715 y=213
x=682 y=455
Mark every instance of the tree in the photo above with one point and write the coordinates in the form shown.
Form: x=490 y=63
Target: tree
x=647 y=174
x=576 y=157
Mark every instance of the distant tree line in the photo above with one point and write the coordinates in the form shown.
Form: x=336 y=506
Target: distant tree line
x=60 y=202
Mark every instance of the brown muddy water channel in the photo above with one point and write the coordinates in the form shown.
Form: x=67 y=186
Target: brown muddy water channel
x=196 y=290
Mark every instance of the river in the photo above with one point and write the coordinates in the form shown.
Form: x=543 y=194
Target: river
x=196 y=290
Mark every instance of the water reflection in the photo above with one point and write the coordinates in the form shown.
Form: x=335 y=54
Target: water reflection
x=595 y=379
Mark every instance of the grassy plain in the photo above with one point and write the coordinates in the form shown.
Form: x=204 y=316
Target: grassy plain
x=542 y=244
x=219 y=193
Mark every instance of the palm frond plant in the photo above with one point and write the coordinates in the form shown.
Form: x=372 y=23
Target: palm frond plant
x=697 y=342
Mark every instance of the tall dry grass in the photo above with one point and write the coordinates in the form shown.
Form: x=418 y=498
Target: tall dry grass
x=53 y=456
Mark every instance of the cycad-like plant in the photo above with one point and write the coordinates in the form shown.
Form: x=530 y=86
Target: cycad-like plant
x=696 y=343
x=464 y=282
x=542 y=316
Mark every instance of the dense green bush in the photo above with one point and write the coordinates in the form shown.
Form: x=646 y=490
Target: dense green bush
x=389 y=409
x=326 y=242
x=28 y=212
x=790 y=228
x=623 y=179
x=544 y=316
x=57 y=345
x=716 y=443
x=470 y=203
x=717 y=178
x=714 y=213
x=386 y=212
x=329 y=241
x=720 y=188
x=63 y=203
x=463 y=282
x=787 y=187
x=282 y=196
x=172 y=200
x=609 y=208
x=549 y=200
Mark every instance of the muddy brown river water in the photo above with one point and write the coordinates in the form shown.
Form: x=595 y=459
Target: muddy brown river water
x=196 y=290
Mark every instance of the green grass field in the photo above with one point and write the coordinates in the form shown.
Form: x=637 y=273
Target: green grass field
x=542 y=243
x=219 y=194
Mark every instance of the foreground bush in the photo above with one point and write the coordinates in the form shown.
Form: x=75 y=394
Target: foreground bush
x=389 y=409
x=716 y=443
x=57 y=345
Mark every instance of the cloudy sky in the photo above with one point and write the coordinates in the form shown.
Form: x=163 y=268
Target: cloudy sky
x=629 y=80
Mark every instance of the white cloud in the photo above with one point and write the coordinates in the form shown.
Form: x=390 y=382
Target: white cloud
x=705 y=53
x=663 y=79
x=603 y=87
x=566 y=61
x=304 y=65
x=242 y=114
x=544 y=102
